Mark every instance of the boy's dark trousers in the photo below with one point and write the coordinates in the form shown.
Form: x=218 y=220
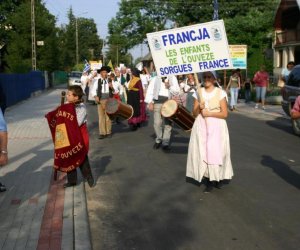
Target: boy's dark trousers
x=85 y=169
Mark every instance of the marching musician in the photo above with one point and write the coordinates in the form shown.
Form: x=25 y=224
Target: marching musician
x=116 y=82
x=125 y=78
x=101 y=92
x=135 y=98
x=158 y=92
x=93 y=80
x=75 y=95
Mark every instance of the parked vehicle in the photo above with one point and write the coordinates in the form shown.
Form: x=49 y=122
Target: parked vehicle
x=289 y=94
x=74 y=78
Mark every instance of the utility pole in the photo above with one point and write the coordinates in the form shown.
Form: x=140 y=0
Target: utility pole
x=33 y=48
x=216 y=10
x=103 y=53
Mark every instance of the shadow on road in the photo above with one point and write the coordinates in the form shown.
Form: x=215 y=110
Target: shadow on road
x=281 y=124
x=99 y=166
x=282 y=169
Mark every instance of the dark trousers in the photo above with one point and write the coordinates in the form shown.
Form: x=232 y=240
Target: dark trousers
x=85 y=169
x=247 y=95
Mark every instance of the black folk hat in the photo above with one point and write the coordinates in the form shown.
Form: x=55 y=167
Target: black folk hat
x=105 y=68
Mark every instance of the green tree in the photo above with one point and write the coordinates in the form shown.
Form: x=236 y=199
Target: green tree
x=89 y=43
x=247 y=22
x=255 y=30
x=18 y=36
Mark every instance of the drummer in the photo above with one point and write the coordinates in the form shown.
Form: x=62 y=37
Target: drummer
x=101 y=92
x=158 y=92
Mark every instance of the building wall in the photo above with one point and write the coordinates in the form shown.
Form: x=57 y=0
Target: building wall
x=287 y=35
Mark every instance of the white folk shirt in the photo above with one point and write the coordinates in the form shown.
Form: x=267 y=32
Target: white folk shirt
x=186 y=87
x=105 y=87
x=158 y=88
x=144 y=80
x=84 y=81
x=118 y=88
x=93 y=82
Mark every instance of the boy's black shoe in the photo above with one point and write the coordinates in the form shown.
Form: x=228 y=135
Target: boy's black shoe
x=91 y=181
x=66 y=185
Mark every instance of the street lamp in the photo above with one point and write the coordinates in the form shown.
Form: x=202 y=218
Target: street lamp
x=76 y=33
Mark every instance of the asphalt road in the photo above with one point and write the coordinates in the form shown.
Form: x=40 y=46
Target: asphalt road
x=143 y=201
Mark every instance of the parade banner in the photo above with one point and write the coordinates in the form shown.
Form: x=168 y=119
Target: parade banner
x=238 y=54
x=95 y=64
x=190 y=49
x=69 y=146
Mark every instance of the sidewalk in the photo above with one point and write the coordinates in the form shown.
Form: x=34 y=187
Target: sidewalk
x=271 y=110
x=35 y=211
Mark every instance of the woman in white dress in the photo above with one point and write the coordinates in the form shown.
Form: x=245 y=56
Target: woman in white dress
x=209 y=148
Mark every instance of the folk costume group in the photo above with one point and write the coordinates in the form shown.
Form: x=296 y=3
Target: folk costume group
x=208 y=158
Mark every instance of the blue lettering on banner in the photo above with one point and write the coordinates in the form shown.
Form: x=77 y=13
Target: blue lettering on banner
x=184 y=68
x=221 y=63
x=185 y=36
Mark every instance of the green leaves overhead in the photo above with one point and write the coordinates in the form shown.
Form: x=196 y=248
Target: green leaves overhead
x=247 y=22
x=59 y=49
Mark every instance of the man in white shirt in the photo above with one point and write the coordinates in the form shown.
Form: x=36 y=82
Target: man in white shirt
x=118 y=88
x=157 y=93
x=84 y=80
x=93 y=79
x=101 y=92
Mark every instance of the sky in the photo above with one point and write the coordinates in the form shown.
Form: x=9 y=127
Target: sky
x=100 y=10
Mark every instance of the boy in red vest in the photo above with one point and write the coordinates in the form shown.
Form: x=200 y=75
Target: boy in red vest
x=75 y=95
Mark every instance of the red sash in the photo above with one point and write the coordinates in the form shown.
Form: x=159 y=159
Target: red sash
x=70 y=140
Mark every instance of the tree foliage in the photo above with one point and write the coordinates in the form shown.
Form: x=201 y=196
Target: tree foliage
x=16 y=29
x=247 y=22
x=89 y=43
x=59 y=50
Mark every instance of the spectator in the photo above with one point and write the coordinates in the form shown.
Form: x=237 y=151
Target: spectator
x=261 y=80
x=286 y=72
x=3 y=146
x=248 y=89
x=234 y=85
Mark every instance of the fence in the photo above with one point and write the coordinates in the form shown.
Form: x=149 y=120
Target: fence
x=59 y=77
x=18 y=87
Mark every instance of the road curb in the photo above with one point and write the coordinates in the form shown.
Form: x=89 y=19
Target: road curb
x=82 y=235
x=252 y=110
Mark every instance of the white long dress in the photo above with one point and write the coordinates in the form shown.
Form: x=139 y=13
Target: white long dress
x=197 y=164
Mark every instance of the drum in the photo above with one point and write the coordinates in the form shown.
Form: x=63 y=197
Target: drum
x=178 y=114
x=115 y=108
